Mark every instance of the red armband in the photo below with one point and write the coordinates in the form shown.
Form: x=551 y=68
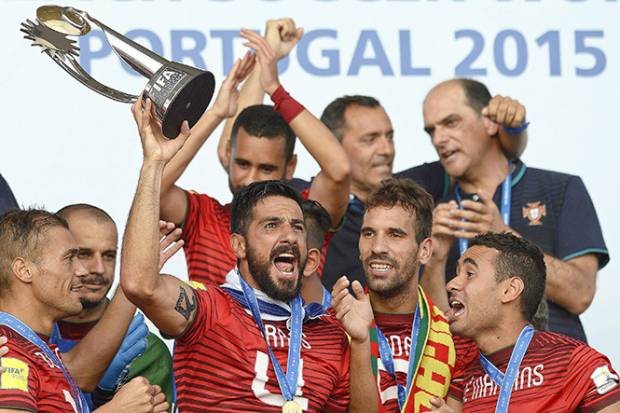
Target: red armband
x=288 y=107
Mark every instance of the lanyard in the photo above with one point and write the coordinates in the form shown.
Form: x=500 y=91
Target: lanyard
x=27 y=333
x=288 y=382
x=505 y=204
x=506 y=381
x=327 y=299
x=388 y=359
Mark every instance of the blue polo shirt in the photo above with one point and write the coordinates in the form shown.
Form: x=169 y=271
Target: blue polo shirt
x=343 y=251
x=7 y=199
x=553 y=210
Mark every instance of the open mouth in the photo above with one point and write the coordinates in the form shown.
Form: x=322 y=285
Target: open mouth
x=379 y=268
x=448 y=154
x=285 y=263
x=457 y=308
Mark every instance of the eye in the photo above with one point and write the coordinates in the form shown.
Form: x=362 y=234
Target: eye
x=367 y=233
x=271 y=225
x=110 y=256
x=268 y=169
x=82 y=254
x=469 y=274
x=451 y=123
x=242 y=164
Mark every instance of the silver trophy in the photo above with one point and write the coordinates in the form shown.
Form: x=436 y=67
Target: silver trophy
x=178 y=92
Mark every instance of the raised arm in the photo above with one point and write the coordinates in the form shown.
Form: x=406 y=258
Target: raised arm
x=332 y=185
x=173 y=198
x=282 y=35
x=510 y=115
x=167 y=301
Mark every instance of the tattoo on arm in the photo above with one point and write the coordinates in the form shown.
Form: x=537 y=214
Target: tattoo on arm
x=184 y=306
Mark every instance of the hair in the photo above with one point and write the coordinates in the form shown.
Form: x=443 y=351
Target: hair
x=264 y=122
x=246 y=198
x=476 y=93
x=409 y=196
x=21 y=233
x=99 y=214
x=521 y=258
x=333 y=115
x=318 y=222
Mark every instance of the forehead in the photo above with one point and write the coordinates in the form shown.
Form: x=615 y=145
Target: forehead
x=89 y=229
x=362 y=119
x=259 y=150
x=277 y=206
x=444 y=99
x=55 y=241
x=482 y=256
x=383 y=217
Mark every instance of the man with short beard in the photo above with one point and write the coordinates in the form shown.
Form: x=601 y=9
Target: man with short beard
x=142 y=353
x=396 y=327
x=232 y=342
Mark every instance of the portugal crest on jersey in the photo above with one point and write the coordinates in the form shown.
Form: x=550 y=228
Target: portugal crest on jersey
x=534 y=212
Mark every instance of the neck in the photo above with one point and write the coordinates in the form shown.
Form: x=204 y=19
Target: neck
x=504 y=335
x=485 y=177
x=30 y=312
x=312 y=289
x=90 y=314
x=360 y=191
x=405 y=301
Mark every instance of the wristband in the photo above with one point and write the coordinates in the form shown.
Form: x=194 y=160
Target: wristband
x=518 y=129
x=288 y=107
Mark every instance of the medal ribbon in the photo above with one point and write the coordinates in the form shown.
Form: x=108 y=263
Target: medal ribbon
x=388 y=359
x=505 y=204
x=327 y=299
x=506 y=381
x=27 y=333
x=288 y=382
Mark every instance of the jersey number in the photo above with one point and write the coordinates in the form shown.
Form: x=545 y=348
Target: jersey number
x=260 y=380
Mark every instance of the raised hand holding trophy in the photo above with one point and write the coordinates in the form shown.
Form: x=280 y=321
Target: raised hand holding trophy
x=178 y=92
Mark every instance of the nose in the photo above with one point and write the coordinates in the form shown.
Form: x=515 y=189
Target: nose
x=386 y=146
x=454 y=284
x=378 y=245
x=250 y=177
x=95 y=265
x=79 y=269
x=440 y=137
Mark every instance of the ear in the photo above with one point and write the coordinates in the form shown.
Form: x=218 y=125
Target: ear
x=491 y=127
x=227 y=156
x=237 y=243
x=312 y=262
x=425 y=250
x=290 y=167
x=512 y=290
x=22 y=269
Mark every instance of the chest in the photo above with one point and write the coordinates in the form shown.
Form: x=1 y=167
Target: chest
x=54 y=394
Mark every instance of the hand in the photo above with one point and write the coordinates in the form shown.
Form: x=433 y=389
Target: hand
x=170 y=242
x=137 y=396
x=134 y=344
x=355 y=313
x=439 y=406
x=282 y=35
x=505 y=111
x=155 y=146
x=225 y=105
x=159 y=400
x=267 y=60
x=443 y=230
x=480 y=217
x=3 y=349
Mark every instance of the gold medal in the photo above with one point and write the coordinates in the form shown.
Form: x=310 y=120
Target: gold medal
x=291 y=407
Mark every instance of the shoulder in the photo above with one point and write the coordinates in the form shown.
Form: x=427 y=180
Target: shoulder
x=17 y=344
x=547 y=176
x=328 y=325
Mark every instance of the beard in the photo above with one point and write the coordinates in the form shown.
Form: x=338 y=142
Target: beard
x=395 y=286
x=89 y=303
x=284 y=290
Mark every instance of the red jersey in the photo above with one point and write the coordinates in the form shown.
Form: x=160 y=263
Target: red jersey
x=222 y=365
x=206 y=232
x=557 y=374
x=436 y=368
x=31 y=381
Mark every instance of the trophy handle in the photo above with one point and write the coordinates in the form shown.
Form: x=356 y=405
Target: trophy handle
x=72 y=67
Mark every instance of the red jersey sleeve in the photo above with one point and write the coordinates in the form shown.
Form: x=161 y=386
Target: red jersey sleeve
x=594 y=383
x=339 y=399
x=199 y=207
x=20 y=381
x=211 y=304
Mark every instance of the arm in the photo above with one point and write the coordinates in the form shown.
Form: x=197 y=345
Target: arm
x=571 y=284
x=282 y=35
x=355 y=314
x=433 y=279
x=156 y=295
x=614 y=408
x=331 y=187
x=508 y=113
x=173 y=198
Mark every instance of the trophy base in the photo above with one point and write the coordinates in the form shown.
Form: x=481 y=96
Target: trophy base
x=178 y=96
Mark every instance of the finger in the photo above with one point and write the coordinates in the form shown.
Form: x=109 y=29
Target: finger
x=339 y=296
x=183 y=134
x=287 y=29
x=299 y=34
x=445 y=222
x=358 y=290
x=519 y=117
x=168 y=253
x=170 y=238
x=444 y=231
x=467 y=215
x=492 y=106
x=161 y=407
x=473 y=227
x=511 y=112
x=476 y=206
x=232 y=73
x=437 y=402
x=343 y=311
x=502 y=109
